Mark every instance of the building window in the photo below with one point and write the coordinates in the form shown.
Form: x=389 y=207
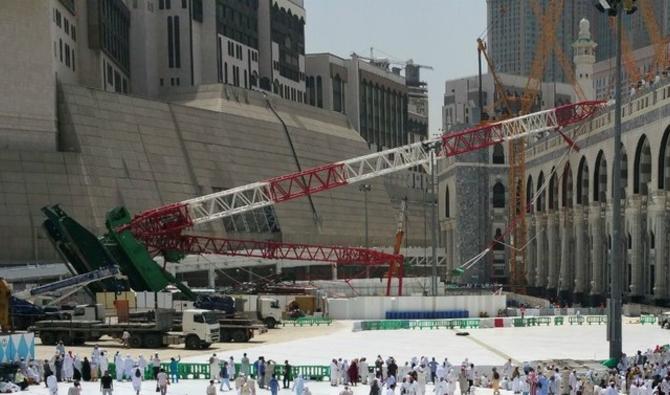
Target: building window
x=337 y=94
x=177 y=43
x=117 y=82
x=168 y=4
x=183 y=3
x=161 y=82
x=498 y=154
x=170 y=42
x=319 y=92
x=246 y=80
x=197 y=10
x=67 y=55
x=58 y=17
x=110 y=75
x=74 y=33
x=498 y=195
x=225 y=72
x=60 y=44
x=74 y=67
x=161 y=4
x=66 y=25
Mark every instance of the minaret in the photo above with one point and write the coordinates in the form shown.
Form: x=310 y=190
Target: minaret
x=584 y=50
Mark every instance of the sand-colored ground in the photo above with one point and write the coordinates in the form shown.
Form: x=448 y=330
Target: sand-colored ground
x=274 y=336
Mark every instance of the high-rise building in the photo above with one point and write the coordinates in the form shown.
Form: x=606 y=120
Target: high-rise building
x=374 y=98
x=513 y=32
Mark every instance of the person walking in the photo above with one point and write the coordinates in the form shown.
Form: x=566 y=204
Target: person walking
x=156 y=365
x=75 y=389
x=211 y=388
x=213 y=367
x=174 y=368
x=224 y=376
x=299 y=385
x=273 y=384
x=137 y=379
x=106 y=384
x=162 y=382
x=52 y=385
x=288 y=374
x=245 y=367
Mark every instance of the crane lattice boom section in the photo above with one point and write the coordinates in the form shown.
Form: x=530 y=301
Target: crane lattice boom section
x=162 y=228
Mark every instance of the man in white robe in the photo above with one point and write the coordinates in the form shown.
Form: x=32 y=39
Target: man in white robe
x=68 y=367
x=118 y=366
x=128 y=367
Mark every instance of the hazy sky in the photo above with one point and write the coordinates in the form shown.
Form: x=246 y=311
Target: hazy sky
x=439 y=33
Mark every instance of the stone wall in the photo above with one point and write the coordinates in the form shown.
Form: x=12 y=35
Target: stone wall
x=122 y=150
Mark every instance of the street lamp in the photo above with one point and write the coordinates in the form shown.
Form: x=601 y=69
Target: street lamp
x=614 y=8
x=365 y=188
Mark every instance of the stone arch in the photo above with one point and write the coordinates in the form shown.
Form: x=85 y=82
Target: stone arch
x=642 y=167
x=498 y=157
x=498 y=195
x=541 y=198
x=553 y=192
x=664 y=161
x=583 y=182
x=600 y=179
x=566 y=187
x=529 y=195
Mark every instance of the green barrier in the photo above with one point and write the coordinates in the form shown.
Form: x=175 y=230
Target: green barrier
x=201 y=371
x=576 y=319
x=473 y=323
x=532 y=321
x=596 y=319
x=519 y=322
x=546 y=321
x=647 y=319
x=309 y=320
x=558 y=320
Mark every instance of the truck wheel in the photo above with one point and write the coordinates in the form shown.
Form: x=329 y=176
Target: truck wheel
x=239 y=336
x=192 y=342
x=153 y=341
x=225 y=336
x=270 y=322
x=135 y=341
x=65 y=338
x=48 y=338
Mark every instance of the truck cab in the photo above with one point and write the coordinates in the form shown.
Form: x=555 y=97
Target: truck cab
x=268 y=311
x=200 y=328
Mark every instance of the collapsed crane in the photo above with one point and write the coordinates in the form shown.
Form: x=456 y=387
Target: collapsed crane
x=131 y=243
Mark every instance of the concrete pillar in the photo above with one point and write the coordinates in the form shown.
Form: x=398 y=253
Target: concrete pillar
x=334 y=268
x=633 y=222
x=552 y=250
x=566 y=272
x=211 y=277
x=657 y=216
x=581 y=255
x=530 y=251
x=598 y=251
x=540 y=251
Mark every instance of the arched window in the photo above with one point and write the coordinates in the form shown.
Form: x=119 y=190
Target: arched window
x=642 y=167
x=498 y=195
x=498 y=154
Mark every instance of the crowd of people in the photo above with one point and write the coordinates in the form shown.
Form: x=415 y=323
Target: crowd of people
x=645 y=373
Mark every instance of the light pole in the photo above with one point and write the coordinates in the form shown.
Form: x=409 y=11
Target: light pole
x=365 y=188
x=615 y=8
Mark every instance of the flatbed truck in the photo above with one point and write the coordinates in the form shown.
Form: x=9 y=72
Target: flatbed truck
x=199 y=330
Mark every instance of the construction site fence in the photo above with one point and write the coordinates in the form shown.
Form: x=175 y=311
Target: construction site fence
x=475 y=323
x=197 y=371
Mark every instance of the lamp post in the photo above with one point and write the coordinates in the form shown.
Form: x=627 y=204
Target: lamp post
x=615 y=8
x=365 y=188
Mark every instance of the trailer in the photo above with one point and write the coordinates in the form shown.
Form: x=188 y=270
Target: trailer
x=199 y=330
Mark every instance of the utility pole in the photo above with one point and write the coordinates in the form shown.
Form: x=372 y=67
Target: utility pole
x=617 y=255
x=616 y=8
